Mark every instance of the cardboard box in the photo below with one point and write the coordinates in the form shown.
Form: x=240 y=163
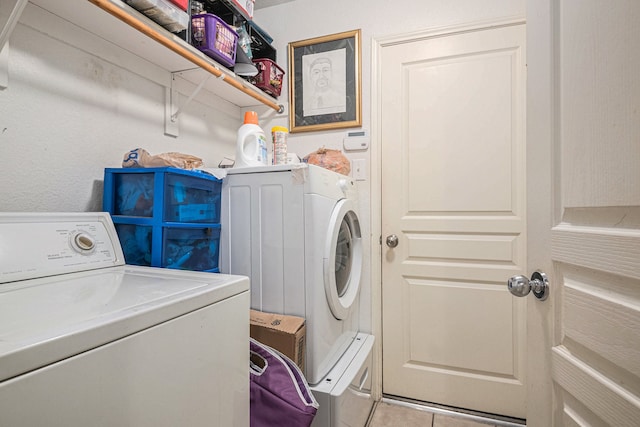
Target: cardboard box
x=287 y=334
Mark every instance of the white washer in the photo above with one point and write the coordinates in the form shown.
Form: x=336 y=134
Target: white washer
x=294 y=230
x=86 y=340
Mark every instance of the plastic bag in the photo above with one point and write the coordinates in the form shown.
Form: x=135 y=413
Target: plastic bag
x=280 y=395
x=140 y=158
x=333 y=160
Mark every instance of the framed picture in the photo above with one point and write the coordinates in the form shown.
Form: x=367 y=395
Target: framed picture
x=324 y=83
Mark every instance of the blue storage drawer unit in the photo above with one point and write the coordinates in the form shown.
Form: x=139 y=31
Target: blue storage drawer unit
x=165 y=217
x=190 y=248
x=167 y=194
x=179 y=246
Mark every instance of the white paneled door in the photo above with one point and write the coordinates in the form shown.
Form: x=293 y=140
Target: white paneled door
x=583 y=110
x=453 y=192
x=455 y=170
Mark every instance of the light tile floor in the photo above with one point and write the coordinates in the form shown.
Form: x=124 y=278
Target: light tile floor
x=390 y=414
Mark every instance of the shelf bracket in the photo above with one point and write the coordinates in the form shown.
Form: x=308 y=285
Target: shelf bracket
x=171 y=113
x=10 y=12
x=4 y=66
x=171 y=124
x=174 y=116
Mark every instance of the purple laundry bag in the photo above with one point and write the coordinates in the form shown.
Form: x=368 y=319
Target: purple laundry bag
x=280 y=395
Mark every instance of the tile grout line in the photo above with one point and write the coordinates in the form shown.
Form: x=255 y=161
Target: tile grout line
x=435 y=410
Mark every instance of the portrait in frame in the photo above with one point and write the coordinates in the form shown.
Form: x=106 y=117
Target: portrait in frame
x=324 y=82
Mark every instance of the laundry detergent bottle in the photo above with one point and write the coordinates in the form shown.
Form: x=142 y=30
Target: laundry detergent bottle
x=251 y=148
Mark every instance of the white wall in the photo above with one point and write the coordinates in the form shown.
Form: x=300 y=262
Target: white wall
x=67 y=114
x=303 y=19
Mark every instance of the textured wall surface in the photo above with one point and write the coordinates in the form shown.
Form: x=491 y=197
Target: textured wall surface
x=67 y=114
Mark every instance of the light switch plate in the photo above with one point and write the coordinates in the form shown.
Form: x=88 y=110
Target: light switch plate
x=358 y=169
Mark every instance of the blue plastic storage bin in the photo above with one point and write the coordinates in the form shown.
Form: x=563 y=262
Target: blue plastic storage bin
x=136 y=242
x=165 y=194
x=165 y=217
x=190 y=248
x=192 y=199
x=178 y=246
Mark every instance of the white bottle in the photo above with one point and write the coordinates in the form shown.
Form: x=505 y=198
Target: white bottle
x=251 y=148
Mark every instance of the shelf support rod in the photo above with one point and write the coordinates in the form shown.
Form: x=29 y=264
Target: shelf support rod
x=175 y=115
x=122 y=15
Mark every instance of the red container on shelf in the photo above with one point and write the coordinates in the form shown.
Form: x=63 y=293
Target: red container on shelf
x=182 y=4
x=269 y=77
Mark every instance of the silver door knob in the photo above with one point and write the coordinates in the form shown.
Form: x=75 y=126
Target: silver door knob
x=520 y=286
x=392 y=241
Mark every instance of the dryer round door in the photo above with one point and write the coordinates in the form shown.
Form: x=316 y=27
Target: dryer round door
x=343 y=259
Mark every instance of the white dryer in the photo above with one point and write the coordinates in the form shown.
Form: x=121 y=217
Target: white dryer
x=294 y=230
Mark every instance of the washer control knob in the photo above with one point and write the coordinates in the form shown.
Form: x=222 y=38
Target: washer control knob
x=82 y=242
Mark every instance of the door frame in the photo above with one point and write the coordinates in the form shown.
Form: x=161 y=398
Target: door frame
x=377 y=44
x=542 y=207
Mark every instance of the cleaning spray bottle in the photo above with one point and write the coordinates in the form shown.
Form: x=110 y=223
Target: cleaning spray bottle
x=251 y=149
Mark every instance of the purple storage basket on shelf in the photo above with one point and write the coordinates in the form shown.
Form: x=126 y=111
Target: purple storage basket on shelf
x=280 y=395
x=214 y=38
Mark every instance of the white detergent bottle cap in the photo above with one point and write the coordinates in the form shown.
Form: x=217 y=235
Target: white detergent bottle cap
x=251 y=146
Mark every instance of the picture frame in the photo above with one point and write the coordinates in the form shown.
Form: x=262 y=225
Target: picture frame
x=325 y=82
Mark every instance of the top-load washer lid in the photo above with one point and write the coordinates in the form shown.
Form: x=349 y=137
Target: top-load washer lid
x=46 y=320
x=80 y=298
